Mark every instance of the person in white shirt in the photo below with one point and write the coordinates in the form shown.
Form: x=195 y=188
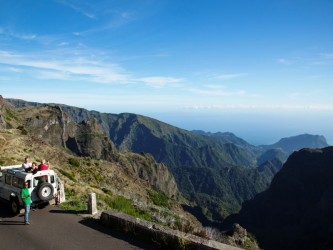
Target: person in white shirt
x=26 y=164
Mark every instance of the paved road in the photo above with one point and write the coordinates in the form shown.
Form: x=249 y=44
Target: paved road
x=52 y=229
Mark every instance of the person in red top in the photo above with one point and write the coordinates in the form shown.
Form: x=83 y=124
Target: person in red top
x=42 y=166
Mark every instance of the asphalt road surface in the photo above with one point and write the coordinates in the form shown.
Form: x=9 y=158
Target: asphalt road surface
x=52 y=229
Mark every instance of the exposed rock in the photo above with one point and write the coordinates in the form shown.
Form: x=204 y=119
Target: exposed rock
x=51 y=125
x=296 y=211
x=239 y=237
x=156 y=174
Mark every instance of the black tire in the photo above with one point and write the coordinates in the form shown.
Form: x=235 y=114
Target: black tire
x=45 y=192
x=14 y=206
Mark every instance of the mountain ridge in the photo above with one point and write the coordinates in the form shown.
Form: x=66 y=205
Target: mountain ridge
x=298 y=142
x=222 y=157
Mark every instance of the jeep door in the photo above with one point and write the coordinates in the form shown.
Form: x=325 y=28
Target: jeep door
x=7 y=187
x=34 y=189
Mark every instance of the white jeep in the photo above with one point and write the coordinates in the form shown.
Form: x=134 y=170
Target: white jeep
x=12 y=179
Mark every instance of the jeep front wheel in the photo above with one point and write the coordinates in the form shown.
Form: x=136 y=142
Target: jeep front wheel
x=45 y=192
x=14 y=206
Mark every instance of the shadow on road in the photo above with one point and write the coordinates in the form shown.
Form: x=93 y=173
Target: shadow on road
x=94 y=224
x=57 y=211
x=11 y=222
x=5 y=211
x=7 y=218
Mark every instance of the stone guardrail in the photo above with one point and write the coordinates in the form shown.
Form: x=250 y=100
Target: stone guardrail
x=158 y=235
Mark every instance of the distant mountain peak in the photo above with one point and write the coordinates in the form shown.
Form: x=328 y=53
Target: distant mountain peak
x=294 y=143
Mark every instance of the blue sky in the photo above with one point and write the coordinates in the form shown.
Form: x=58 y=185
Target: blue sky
x=262 y=69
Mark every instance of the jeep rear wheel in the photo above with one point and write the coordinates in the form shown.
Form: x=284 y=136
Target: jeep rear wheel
x=14 y=206
x=45 y=192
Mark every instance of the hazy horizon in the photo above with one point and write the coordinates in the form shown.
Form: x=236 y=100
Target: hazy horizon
x=259 y=69
x=255 y=128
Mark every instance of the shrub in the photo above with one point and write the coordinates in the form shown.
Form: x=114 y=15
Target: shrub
x=107 y=191
x=124 y=205
x=69 y=192
x=74 y=205
x=23 y=130
x=159 y=199
x=184 y=226
x=67 y=174
x=74 y=162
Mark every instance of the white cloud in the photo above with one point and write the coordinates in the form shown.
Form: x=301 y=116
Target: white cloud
x=284 y=61
x=227 y=76
x=13 y=69
x=322 y=59
x=71 y=65
x=63 y=44
x=160 y=81
x=327 y=56
x=13 y=34
x=216 y=90
x=54 y=75
x=317 y=60
x=71 y=68
x=77 y=8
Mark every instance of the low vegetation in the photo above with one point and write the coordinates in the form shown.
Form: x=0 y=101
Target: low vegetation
x=122 y=182
x=114 y=186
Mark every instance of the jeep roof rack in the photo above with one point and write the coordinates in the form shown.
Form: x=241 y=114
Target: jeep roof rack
x=10 y=167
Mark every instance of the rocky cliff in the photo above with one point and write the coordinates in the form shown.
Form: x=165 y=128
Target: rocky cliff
x=50 y=124
x=296 y=211
x=217 y=171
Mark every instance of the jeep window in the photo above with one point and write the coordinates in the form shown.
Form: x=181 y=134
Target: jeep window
x=35 y=182
x=17 y=182
x=8 y=179
x=52 y=178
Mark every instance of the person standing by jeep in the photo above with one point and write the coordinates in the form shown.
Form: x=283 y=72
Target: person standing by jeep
x=25 y=195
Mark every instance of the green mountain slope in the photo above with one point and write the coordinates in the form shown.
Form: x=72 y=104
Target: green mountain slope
x=129 y=182
x=216 y=171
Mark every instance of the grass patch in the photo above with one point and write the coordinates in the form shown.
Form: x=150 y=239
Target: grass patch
x=74 y=162
x=107 y=191
x=10 y=115
x=74 y=205
x=67 y=174
x=184 y=226
x=2 y=162
x=159 y=199
x=125 y=206
x=23 y=130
